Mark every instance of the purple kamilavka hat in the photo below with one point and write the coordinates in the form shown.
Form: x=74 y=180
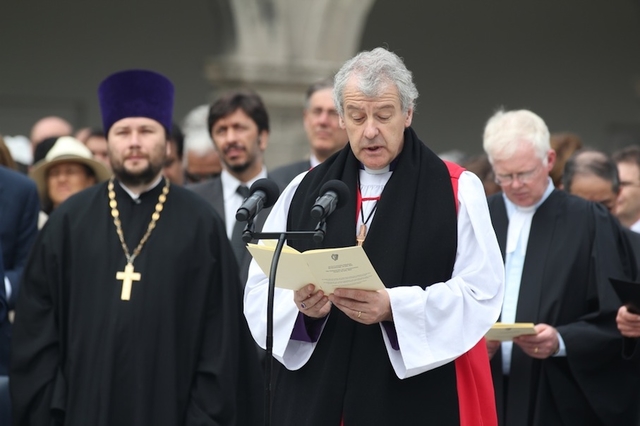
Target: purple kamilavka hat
x=136 y=93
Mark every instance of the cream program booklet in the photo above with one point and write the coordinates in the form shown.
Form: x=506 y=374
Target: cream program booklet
x=502 y=331
x=327 y=269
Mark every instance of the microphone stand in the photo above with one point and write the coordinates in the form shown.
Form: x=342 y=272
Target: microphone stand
x=249 y=234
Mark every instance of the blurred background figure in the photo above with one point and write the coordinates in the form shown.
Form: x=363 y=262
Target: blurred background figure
x=20 y=148
x=324 y=134
x=201 y=161
x=67 y=168
x=42 y=149
x=83 y=134
x=628 y=207
x=96 y=141
x=564 y=144
x=481 y=167
x=48 y=127
x=19 y=209
x=592 y=175
x=453 y=155
x=6 y=159
x=173 y=168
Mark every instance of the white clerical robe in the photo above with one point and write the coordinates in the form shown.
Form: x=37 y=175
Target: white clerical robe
x=434 y=325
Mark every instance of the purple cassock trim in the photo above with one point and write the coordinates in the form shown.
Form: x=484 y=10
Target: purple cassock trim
x=391 y=334
x=307 y=329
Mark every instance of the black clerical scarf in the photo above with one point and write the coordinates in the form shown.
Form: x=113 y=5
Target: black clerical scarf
x=412 y=241
x=415 y=240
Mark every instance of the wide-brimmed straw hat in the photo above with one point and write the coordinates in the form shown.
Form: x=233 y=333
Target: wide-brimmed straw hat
x=67 y=149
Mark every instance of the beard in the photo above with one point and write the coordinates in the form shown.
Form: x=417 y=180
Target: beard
x=142 y=177
x=238 y=168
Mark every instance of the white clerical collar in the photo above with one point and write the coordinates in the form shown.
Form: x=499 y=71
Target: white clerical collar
x=376 y=172
x=313 y=161
x=635 y=227
x=230 y=183
x=374 y=179
x=520 y=221
x=512 y=208
x=135 y=196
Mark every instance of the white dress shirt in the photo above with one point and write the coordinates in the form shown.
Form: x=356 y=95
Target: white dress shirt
x=517 y=239
x=233 y=200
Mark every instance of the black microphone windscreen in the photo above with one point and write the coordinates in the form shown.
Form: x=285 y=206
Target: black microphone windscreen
x=270 y=188
x=339 y=187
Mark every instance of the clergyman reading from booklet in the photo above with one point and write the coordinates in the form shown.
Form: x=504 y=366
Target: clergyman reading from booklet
x=412 y=353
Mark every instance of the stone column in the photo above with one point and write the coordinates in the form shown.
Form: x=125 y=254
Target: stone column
x=280 y=47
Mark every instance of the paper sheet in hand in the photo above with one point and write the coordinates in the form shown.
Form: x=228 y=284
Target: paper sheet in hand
x=327 y=269
x=501 y=331
x=629 y=294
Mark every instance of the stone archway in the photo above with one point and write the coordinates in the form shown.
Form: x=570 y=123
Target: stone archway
x=279 y=47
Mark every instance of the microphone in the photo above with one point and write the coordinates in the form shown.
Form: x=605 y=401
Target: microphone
x=263 y=193
x=334 y=194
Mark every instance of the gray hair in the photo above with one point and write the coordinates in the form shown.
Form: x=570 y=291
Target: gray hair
x=376 y=69
x=506 y=130
x=197 y=138
x=325 y=83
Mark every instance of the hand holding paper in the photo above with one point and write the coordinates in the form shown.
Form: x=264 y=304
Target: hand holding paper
x=504 y=332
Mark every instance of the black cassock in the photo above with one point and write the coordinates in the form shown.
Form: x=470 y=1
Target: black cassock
x=177 y=353
x=574 y=247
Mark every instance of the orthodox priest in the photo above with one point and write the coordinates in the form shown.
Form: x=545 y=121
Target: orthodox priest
x=413 y=352
x=560 y=251
x=130 y=312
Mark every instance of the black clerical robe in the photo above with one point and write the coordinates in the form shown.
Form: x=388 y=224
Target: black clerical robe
x=177 y=353
x=573 y=248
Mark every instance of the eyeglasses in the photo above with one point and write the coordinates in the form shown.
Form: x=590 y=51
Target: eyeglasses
x=317 y=112
x=522 y=177
x=626 y=184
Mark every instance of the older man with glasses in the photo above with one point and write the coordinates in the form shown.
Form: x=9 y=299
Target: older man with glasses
x=559 y=252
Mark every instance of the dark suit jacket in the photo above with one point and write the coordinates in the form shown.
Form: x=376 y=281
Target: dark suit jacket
x=19 y=208
x=634 y=241
x=5 y=401
x=211 y=190
x=3 y=295
x=285 y=174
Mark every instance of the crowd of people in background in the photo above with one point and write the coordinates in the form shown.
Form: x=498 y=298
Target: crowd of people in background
x=560 y=217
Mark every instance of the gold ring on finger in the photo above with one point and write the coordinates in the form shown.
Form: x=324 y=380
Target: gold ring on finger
x=359 y=313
